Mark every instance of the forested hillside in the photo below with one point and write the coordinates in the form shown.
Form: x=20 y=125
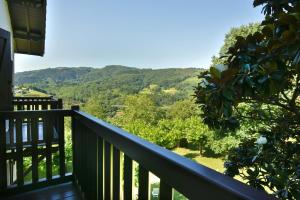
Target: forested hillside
x=79 y=84
x=157 y=105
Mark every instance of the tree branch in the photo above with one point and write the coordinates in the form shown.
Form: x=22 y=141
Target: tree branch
x=296 y=93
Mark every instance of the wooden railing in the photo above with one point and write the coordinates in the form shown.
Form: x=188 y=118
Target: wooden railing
x=98 y=147
x=36 y=103
x=103 y=158
x=35 y=136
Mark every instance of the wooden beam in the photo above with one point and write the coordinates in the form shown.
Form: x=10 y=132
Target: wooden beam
x=28 y=36
x=13 y=190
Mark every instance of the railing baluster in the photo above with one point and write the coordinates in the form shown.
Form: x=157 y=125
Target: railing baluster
x=28 y=130
x=116 y=173
x=77 y=149
x=19 y=152
x=100 y=169
x=127 y=178
x=34 y=142
x=86 y=172
x=53 y=105
x=143 y=183
x=80 y=156
x=3 y=171
x=59 y=104
x=74 y=147
x=12 y=143
x=48 y=128
x=88 y=154
x=165 y=191
x=93 y=164
x=107 y=169
x=61 y=143
x=84 y=160
x=44 y=107
x=11 y=132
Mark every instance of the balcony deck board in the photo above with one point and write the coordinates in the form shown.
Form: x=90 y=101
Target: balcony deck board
x=66 y=191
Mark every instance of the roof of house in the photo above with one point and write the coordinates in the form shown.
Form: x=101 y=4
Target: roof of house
x=28 y=19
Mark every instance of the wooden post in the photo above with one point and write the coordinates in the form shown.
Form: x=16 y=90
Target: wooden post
x=34 y=144
x=19 y=148
x=3 y=174
x=75 y=107
x=6 y=71
x=59 y=104
x=74 y=144
x=127 y=178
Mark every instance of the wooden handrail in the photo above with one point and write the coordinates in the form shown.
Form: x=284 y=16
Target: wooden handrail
x=35 y=113
x=193 y=180
x=36 y=103
x=33 y=98
x=97 y=149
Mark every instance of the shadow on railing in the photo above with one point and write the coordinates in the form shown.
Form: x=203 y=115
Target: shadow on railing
x=103 y=158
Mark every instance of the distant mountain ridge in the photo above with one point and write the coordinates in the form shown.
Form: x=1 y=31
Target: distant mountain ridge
x=66 y=74
x=80 y=83
x=58 y=74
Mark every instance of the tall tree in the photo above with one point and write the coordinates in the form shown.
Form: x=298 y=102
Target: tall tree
x=261 y=71
x=102 y=105
x=141 y=107
x=231 y=37
x=183 y=109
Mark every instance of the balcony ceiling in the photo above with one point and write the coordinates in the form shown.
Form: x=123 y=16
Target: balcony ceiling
x=28 y=19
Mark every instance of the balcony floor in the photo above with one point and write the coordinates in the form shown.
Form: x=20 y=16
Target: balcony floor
x=66 y=191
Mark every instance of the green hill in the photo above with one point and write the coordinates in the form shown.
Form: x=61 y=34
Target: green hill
x=80 y=83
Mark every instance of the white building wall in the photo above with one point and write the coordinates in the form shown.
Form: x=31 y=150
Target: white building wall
x=5 y=21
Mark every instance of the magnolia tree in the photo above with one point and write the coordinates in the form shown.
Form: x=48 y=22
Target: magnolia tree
x=259 y=82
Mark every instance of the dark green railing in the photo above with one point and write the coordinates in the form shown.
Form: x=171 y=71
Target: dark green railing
x=103 y=158
x=97 y=149
x=36 y=103
x=36 y=136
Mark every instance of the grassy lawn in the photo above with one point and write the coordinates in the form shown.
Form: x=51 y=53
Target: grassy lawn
x=31 y=93
x=215 y=163
x=211 y=162
x=34 y=93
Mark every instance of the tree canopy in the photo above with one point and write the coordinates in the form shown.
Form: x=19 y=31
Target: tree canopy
x=259 y=82
x=231 y=37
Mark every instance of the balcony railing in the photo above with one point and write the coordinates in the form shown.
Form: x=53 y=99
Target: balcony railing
x=100 y=153
x=36 y=103
x=35 y=136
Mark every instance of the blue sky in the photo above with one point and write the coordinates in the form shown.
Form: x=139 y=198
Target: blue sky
x=137 y=33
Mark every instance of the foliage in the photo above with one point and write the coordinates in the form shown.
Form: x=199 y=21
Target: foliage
x=83 y=82
x=141 y=107
x=231 y=37
x=103 y=105
x=141 y=116
x=261 y=71
x=197 y=133
x=207 y=160
x=183 y=109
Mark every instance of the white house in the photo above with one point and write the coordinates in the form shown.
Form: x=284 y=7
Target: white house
x=22 y=30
